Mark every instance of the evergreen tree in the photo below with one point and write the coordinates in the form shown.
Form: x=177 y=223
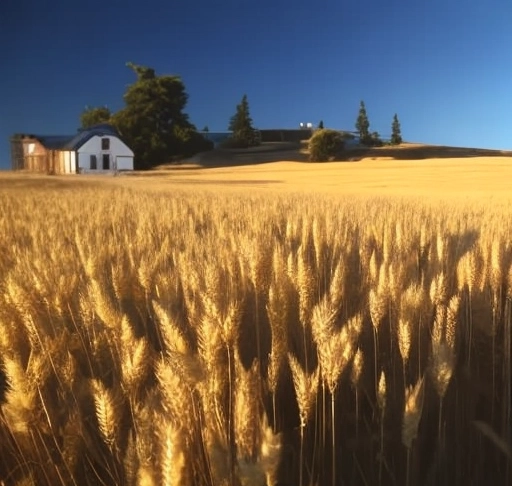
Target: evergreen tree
x=206 y=129
x=362 y=124
x=396 y=133
x=321 y=125
x=241 y=125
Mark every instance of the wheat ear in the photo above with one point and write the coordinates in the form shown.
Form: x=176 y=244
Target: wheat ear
x=412 y=412
x=381 y=402
x=107 y=413
x=305 y=389
x=412 y=416
x=355 y=376
x=270 y=452
x=172 y=458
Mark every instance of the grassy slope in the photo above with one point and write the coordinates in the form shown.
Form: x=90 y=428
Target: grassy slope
x=409 y=170
x=440 y=177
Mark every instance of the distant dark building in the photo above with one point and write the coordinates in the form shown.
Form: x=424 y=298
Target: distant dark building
x=216 y=137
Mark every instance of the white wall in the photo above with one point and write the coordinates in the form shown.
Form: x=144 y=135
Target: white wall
x=121 y=157
x=69 y=162
x=124 y=163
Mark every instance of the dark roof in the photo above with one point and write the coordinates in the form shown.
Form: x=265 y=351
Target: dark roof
x=53 y=142
x=74 y=142
x=83 y=136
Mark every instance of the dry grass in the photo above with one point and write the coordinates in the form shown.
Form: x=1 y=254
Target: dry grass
x=465 y=178
x=155 y=330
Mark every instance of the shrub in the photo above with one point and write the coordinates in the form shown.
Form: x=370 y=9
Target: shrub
x=324 y=145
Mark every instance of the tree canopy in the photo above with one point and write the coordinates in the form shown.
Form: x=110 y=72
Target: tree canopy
x=94 y=116
x=152 y=121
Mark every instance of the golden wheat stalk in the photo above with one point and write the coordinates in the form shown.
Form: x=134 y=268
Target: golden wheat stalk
x=270 y=452
x=381 y=402
x=337 y=286
x=172 y=459
x=414 y=396
x=247 y=410
x=277 y=311
x=441 y=366
x=404 y=340
x=108 y=413
x=442 y=360
x=413 y=409
x=377 y=304
x=21 y=406
x=306 y=386
x=306 y=286
x=104 y=302
x=355 y=376
x=135 y=364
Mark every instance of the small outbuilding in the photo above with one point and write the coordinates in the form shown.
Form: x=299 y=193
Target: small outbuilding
x=98 y=149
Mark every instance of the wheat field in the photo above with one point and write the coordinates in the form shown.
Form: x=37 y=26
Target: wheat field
x=160 y=331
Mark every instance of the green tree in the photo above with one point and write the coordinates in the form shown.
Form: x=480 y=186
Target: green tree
x=396 y=132
x=325 y=144
x=94 y=116
x=206 y=129
x=241 y=125
x=363 y=124
x=321 y=125
x=152 y=121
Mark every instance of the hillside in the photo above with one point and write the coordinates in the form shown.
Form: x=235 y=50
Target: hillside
x=298 y=152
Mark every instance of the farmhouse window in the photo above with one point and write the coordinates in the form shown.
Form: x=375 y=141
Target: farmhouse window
x=94 y=162
x=105 y=144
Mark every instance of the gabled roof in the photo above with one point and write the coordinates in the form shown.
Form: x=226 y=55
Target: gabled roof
x=74 y=142
x=84 y=135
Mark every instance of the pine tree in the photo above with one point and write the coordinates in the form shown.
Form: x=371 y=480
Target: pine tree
x=396 y=134
x=241 y=125
x=321 y=125
x=362 y=124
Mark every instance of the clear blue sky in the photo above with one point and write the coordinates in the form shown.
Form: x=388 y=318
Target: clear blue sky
x=445 y=66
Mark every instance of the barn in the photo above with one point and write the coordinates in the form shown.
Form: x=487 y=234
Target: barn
x=98 y=149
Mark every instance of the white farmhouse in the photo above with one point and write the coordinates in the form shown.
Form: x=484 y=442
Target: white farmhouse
x=96 y=150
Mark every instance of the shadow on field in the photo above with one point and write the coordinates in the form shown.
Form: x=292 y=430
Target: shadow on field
x=25 y=182
x=420 y=152
x=269 y=152
x=265 y=153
